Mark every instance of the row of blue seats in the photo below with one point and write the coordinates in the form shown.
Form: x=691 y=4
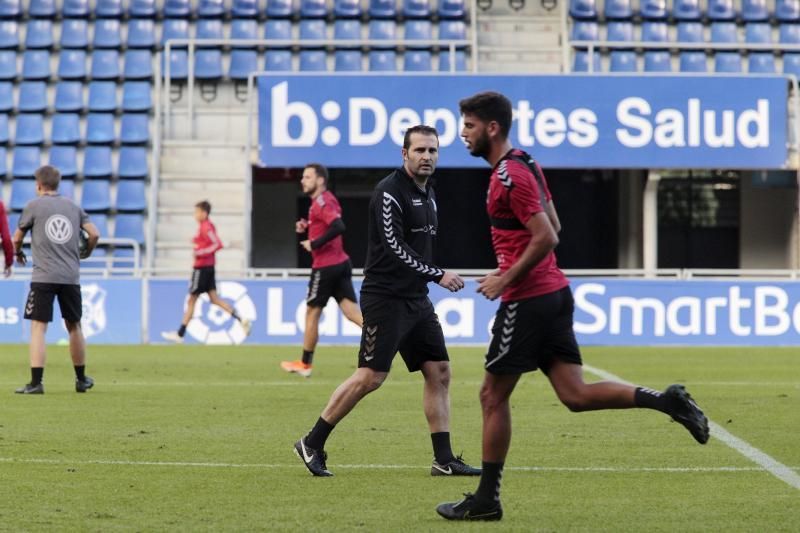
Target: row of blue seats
x=752 y=10
x=141 y=33
x=126 y=226
x=100 y=128
x=686 y=32
x=97 y=161
x=95 y=195
x=69 y=97
x=240 y=8
x=105 y=65
x=688 y=61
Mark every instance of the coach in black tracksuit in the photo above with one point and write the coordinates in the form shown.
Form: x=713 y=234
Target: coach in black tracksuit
x=398 y=315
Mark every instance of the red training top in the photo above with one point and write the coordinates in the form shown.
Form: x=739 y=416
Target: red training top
x=325 y=209
x=206 y=244
x=5 y=234
x=517 y=191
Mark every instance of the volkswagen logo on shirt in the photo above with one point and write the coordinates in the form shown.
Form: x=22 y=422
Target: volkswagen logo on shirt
x=58 y=229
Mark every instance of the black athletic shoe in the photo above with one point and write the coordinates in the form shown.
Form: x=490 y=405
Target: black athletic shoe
x=313 y=459
x=31 y=389
x=470 y=509
x=683 y=410
x=456 y=467
x=83 y=385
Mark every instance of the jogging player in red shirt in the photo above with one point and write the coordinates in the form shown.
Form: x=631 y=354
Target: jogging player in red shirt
x=533 y=325
x=206 y=245
x=331 y=269
x=8 y=246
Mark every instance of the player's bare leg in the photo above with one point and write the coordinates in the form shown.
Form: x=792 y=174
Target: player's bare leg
x=303 y=366
x=352 y=312
x=214 y=298
x=177 y=336
x=38 y=356
x=77 y=350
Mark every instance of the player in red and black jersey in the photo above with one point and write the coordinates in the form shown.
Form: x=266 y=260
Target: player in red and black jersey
x=331 y=269
x=533 y=325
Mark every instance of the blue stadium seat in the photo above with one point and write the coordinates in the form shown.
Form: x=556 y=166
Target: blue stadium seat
x=42 y=9
x=758 y=32
x=653 y=9
x=618 y=9
x=108 y=9
x=721 y=10
x=458 y=62
x=278 y=29
x=74 y=33
x=724 y=32
x=22 y=192
x=582 y=30
x=382 y=61
x=347 y=61
x=131 y=196
x=36 y=65
x=3 y=172
x=416 y=9
x=452 y=30
x=32 y=97
x=72 y=64
x=727 y=62
x=101 y=222
x=30 y=129
x=451 y=9
x=789 y=33
x=142 y=9
x=8 y=64
x=66 y=128
x=347 y=30
x=417 y=61
x=26 y=160
x=178 y=65
x=105 y=65
x=177 y=8
x=129 y=226
x=653 y=31
x=103 y=96
x=96 y=195
x=132 y=162
x=97 y=162
x=346 y=9
x=278 y=60
x=107 y=34
x=39 y=34
x=755 y=10
x=66 y=188
x=418 y=30
x=209 y=29
x=279 y=9
x=657 y=61
x=75 y=9
x=313 y=61
x=787 y=10
x=65 y=159
x=693 y=61
x=9 y=34
x=211 y=9
x=243 y=62
x=134 y=128
x=687 y=10
x=583 y=9
x=13 y=218
x=10 y=9
x=208 y=64
x=313 y=30
x=4 y=135
x=244 y=29
x=313 y=9
x=138 y=65
x=622 y=61
x=690 y=32
x=761 y=63
x=791 y=63
x=136 y=96
x=6 y=96
x=619 y=31
x=141 y=33
x=245 y=9
x=100 y=128
x=174 y=29
x=380 y=30
x=382 y=9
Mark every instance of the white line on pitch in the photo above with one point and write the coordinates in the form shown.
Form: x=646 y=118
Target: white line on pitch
x=768 y=463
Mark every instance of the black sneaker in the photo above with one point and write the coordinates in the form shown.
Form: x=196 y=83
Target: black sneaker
x=683 y=410
x=456 y=467
x=470 y=509
x=82 y=385
x=313 y=459
x=31 y=389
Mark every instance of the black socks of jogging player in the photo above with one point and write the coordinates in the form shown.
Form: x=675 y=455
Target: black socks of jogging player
x=80 y=372
x=489 y=487
x=308 y=356
x=319 y=434
x=441 y=447
x=182 y=330
x=650 y=399
x=37 y=373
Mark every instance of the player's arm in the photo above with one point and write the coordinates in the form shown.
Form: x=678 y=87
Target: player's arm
x=17 y=239
x=215 y=243
x=8 y=246
x=94 y=235
x=550 y=209
x=335 y=228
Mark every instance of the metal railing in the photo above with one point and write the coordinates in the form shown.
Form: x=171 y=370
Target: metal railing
x=102 y=266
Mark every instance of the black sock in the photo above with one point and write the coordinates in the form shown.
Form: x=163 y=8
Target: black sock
x=650 y=399
x=441 y=447
x=319 y=434
x=308 y=356
x=37 y=373
x=234 y=315
x=80 y=372
x=489 y=486
x=182 y=330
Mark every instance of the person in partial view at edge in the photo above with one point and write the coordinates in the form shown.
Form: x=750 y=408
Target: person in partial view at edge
x=8 y=246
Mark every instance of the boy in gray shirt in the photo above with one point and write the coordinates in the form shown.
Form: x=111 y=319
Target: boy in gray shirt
x=55 y=223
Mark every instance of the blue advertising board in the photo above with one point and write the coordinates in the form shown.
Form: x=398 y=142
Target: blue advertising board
x=583 y=121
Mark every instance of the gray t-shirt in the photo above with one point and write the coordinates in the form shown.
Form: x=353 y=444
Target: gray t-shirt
x=54 y=222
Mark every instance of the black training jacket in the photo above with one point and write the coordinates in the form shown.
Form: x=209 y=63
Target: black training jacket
x=401 y=235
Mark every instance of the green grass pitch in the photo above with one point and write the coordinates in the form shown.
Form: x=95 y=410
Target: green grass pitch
x=187 y=438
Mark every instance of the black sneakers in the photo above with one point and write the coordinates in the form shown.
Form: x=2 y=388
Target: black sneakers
x=456 y=467
x=31 y=389
x=470 y=509
x=313 y=459
x=683 y=410
x=83 y=385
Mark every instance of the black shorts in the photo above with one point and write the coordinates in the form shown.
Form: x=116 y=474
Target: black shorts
x=39 y=306
x=409 y=326
x=204 y=279
x=529 y=334
x=331 y=281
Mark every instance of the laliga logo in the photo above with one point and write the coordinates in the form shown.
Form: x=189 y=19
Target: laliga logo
x=94 y=309
x=212 y=325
